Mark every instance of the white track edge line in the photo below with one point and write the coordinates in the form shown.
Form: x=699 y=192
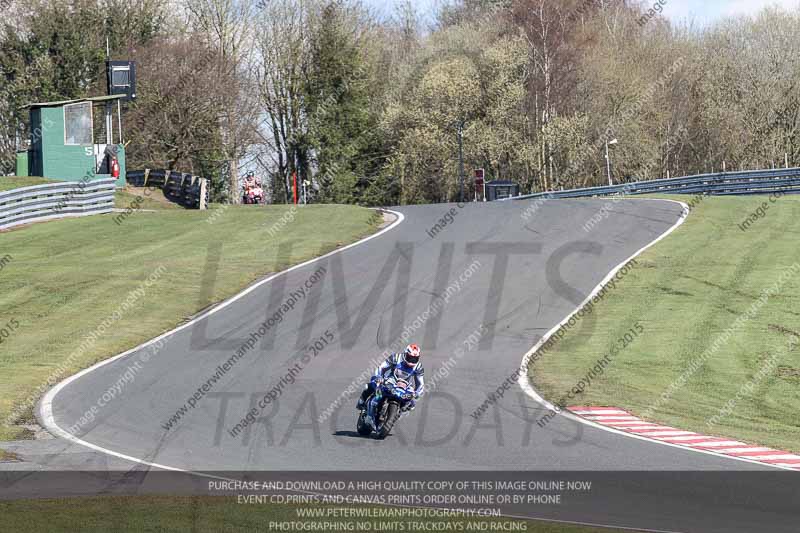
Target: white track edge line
x=46 y=405
x=530 y=391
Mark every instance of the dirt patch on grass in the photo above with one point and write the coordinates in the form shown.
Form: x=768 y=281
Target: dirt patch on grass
x=784 y=330
x=8 y=457
x=789 y=372
x=673 y=292
x=153 y=197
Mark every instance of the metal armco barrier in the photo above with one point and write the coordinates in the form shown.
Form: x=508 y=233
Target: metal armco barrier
x=184 y=189
x=786 y=180
x=56 y=200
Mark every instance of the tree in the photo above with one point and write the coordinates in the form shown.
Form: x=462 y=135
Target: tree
x=556 y=35
x=749 y=104
x=336 y=90
x=228 y=28
x=466 y=75
x=282 y=40
x=174 y=120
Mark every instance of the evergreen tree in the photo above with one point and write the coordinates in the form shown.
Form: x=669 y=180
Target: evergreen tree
x=340 y=116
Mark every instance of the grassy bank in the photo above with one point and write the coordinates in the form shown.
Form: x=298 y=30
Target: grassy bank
x=14 y=182
x=162 y=514
x=61 y=280
x=687 y=292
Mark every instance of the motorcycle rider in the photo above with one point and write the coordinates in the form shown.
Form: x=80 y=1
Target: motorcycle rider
x=246 y=186
x=407 y=365
x=252 y=193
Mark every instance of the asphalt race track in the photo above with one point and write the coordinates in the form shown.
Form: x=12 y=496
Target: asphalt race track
x=508 y=281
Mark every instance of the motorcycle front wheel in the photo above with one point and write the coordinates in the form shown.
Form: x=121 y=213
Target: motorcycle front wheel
x=392 y=414
x=361 y=426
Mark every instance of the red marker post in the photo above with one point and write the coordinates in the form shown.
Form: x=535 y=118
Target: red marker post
x=480 y=182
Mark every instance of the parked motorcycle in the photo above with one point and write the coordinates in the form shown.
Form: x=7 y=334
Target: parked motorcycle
x=382 y=410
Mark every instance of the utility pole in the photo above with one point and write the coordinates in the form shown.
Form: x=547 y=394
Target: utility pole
x=461 y=161
x=109 y=108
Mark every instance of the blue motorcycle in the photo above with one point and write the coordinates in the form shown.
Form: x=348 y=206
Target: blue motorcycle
x=382 y=410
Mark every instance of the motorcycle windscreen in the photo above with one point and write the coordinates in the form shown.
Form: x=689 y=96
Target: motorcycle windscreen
x=401 y=374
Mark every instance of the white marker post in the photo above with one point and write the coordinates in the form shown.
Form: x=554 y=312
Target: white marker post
x=608 y=160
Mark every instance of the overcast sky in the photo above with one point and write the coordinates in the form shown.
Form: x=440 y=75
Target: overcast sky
x=702 y=11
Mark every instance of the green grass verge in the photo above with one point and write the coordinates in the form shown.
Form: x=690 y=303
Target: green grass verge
x=212 y=514
x=60 y=280
x=15 y=182
x=686 y=292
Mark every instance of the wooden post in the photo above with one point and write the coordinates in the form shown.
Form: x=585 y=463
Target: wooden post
x=146 y=175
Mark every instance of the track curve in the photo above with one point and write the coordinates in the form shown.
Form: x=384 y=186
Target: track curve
x=526 y=275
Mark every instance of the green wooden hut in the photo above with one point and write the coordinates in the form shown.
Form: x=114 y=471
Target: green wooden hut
x=68 y=143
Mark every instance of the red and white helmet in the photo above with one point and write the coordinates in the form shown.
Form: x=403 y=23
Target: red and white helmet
x=411 y=355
